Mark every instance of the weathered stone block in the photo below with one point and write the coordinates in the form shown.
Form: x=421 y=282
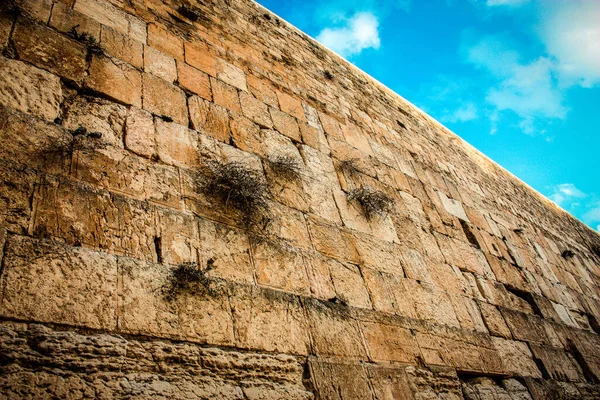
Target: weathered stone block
x=349 y=284
x=30 y=90
x=226 y=252
x=109 y=15
x=96 y=115
x=140 y=133
x=516 y=357
x=49 y=282
x=161 y=39
x=82 y=215
x=164 y=99
x=255 y=110
x=120 y=171
x=291 y=105
x=333 y=331
x=194 y=80
x=200 y=315
x=122 y=47
x=116 y=80
x=47 y=49
x=225 y=95
x=40 y=145
x=16 y=190
x=198 y=56
x=280 y=268
x=64 y=19
x=285 y=124
x=176 y=144
x=257 y=315
x=390 y=343
x=160 y=64
x=339 y=380
x=494 y=321
x=209 y=118
x=179 y=237
x=231 y=74
x=331 y=240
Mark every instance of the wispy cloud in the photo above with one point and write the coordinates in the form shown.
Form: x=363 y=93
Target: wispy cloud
x=511 y=3
x=464 y=113
x=527 y=88
x=566 y=194
x=355 y=34
x=592 y=216
x=571 y=32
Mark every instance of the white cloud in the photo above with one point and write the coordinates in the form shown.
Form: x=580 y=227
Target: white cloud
x=571 y=32
x=512 y=3
x=467 y=112
x=592 y=215
x=357 y=33
x=566 y=194
x=529 y=89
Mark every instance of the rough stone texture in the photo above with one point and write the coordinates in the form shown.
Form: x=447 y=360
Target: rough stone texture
x=460 y=292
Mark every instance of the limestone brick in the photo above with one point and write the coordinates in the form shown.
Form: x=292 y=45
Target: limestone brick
x=226 y=96
x=164 y=99
x=144 y=308
x=116 y=80
x=45 y=281
x=258 y=314
x=50 y=50
x=160 y=64
x=198 y=56
x=140 y=133
x=231 y=75
x=29 y=90
x=209 y=118
x=121 y=46
x=194 y=80
x=161 y=39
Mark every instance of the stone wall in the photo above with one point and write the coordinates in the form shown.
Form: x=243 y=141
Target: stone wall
x=126 y=272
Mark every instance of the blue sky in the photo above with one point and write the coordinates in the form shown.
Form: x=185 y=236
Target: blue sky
x=518 y=79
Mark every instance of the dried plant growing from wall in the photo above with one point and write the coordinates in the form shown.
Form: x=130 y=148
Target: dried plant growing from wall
x=286 y=167
x=596 y=250
x=373 y=202
x=567 y=254
x=56 y=151
x=350 y=166
x=88 y=40
x=188 y=277
x=240 y=188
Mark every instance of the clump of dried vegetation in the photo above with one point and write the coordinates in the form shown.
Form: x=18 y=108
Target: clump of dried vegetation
x=56 y=151
x=240 y=188
x=350 y=166
x=87 y=39
x=286 y=167
x=373 y=202
x=189 y=278
x=567 y=254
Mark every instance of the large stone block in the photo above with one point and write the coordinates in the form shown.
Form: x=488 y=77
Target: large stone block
x=82 y=215
x=17 y=186
x=269 y=320
x=226 y=251
x=516 y=357
x=109 y=15
x=50 y=282
x=146 y=307
x=339 y=380
x=116 y=80
x=29 y=89
x=121 y=46
x=333 y=330
x=209 y=118
x=386 y=342
x=40 y=145
x=50 y=50
x=96 y=115
x=280 y=268
x=164 y=99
